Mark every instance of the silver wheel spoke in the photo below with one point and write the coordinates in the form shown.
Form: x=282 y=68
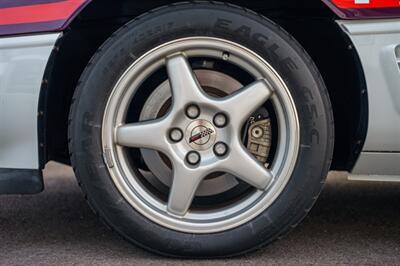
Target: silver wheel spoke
x=241 y=104
x=184 y=84
x=244 y=166
x=148 y=134
x=184 y=185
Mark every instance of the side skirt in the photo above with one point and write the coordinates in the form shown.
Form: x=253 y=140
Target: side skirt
x=20 y=181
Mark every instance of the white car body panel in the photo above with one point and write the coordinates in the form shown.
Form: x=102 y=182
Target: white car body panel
x=377 y=42
x=378 y=45
x=22 y=64
x=378 y=163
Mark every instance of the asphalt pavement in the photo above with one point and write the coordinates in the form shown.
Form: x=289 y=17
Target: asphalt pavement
x=353 y=223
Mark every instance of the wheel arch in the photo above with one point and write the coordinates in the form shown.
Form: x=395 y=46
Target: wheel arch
x=100 y=19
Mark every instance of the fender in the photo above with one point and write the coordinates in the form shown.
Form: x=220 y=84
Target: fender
x=30 y=16
x=33 y=16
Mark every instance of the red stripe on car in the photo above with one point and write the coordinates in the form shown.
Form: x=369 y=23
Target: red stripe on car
x=366 y=3
x=39 y=12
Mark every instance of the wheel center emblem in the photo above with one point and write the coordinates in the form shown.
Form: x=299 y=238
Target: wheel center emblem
x=200 y=134
x=202 y=137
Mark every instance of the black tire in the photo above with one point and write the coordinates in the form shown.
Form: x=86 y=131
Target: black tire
x=237 y=25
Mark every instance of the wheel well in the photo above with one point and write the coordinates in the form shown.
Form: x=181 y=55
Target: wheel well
x=310 y=22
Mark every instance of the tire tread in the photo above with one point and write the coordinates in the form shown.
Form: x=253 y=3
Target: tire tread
x=79 y=88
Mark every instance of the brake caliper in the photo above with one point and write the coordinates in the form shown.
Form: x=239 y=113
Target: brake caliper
x=259 y=136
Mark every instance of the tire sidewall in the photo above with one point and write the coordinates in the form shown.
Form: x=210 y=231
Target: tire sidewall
x=236 y=25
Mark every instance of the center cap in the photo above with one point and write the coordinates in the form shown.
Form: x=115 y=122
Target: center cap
x=200 y=134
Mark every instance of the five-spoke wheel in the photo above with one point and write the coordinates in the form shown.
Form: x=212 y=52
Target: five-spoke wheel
x=201 y=129
x=201 y=134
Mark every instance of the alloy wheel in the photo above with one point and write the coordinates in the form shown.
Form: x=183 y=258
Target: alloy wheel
x=201 y=135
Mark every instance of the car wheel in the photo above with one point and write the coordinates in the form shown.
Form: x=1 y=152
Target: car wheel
x=201 y=130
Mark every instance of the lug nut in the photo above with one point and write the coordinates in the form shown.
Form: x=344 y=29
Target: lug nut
x=176 y=135
x=220 y=149
x=220 y=120
x=193 y=157
x=192 y=111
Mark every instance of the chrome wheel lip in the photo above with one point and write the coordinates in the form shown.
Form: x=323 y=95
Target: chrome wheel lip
x=202 y=222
